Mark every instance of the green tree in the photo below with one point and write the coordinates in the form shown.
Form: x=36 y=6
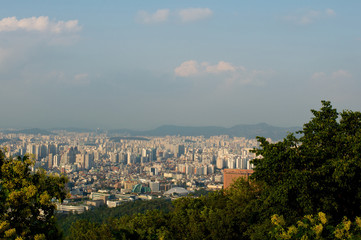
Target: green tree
x=26 y=206
x=315 y=227
x=150 y=225
x=85 y=230
x=103 y=215
x=317 y=172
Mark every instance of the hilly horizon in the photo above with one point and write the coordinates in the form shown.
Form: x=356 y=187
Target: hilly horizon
x=239 y=130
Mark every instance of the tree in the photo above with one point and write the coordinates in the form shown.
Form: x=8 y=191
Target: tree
x=85 y=230
x=26 y=200
x=317 y=172
x=315 y=227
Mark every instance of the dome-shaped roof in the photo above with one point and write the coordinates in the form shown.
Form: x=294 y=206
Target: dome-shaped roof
x=139 y=188
x=177 y=191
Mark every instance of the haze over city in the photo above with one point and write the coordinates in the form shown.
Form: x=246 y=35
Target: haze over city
x=139 y=65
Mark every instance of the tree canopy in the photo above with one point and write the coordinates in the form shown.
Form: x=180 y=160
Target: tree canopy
x=319 y=171
x=26 y=200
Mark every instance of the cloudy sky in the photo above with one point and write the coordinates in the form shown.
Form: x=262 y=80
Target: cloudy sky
x=141 y=64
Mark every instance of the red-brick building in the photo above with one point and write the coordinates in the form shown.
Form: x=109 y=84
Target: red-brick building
x=230 y=175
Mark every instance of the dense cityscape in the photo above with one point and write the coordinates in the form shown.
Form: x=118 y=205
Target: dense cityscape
x=110 y=170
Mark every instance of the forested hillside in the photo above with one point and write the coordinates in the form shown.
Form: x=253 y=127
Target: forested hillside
x=103 y=214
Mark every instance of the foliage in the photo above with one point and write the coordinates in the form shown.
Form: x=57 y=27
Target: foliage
x=200 y=192
x=316 y=227
x=103 y=215
x=26 y=206
x=309 y=227
x=320 y=171
x=86 y=230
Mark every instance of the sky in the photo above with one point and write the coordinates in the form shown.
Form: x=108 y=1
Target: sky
x=141 y=64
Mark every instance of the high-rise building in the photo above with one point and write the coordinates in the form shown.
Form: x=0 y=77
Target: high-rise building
x=50 y=161
x=114 y=157
x=80 y=160
x=56 y=161
x=231 y=163
x=64 y=159
x=144 y=152
x=181 y=150
x=88 y=161
x=220 y=163
x=239 y=163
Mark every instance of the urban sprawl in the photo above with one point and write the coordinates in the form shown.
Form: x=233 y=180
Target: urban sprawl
x=108 y=170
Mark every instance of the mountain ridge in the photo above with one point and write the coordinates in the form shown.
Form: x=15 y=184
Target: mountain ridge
x=239 y=130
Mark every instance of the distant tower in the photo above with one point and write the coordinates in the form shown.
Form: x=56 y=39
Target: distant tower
x=89 y=161
x=181 y=150
x=56 y=161
x=50 y=161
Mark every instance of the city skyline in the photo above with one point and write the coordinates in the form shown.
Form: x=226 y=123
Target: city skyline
x=109 y=64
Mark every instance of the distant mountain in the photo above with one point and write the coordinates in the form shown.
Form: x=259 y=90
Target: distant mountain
x=243 y=130
x=73 y=129
x=117 y=139
x=32 y=131
x=262 y=130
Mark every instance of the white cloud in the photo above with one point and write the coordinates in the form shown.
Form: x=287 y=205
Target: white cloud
x=223 y=70
x=161 y=15
x=39 y=24
x=220 y=67
x=339 y=75
x=318 y=75
x=310 y=16
x=69 y=26
x=187 y=68
x=192 y=68
x=194 y=14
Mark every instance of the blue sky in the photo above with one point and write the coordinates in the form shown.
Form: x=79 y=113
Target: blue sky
x=141 y=64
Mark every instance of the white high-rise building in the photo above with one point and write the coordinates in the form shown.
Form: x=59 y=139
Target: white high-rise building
x=220 y=163
x=239 y=163
x=56 y=160
x=231 y=163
